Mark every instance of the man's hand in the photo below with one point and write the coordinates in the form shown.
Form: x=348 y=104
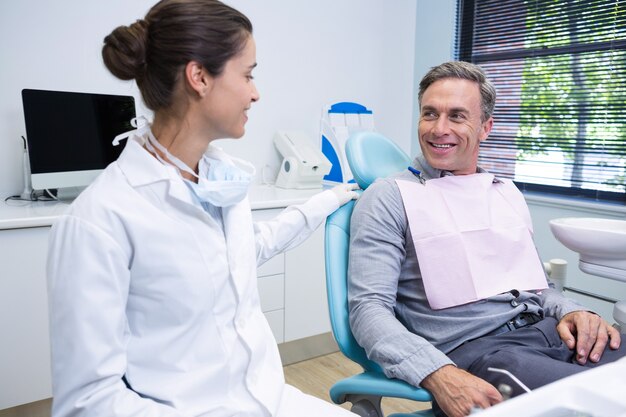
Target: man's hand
x=589 y=334
x=458 y=391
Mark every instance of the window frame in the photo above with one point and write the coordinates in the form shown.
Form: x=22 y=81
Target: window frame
x=464 y=46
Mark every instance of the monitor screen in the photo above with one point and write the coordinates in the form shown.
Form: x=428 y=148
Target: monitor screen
x=69 y=135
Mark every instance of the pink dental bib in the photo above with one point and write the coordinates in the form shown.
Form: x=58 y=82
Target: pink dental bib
x=473 y=238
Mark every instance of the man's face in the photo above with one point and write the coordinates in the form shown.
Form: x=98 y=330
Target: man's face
x=450 y=127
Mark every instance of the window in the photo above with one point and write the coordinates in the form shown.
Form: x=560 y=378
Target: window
x=559 y=67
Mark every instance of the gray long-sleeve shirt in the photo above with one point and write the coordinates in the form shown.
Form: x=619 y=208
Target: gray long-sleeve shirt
x=389 y=312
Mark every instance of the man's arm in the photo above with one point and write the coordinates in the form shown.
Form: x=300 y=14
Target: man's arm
x=458 y=392
x=377 y=252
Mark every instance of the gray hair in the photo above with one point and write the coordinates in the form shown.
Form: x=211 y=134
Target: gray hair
x=465 y=71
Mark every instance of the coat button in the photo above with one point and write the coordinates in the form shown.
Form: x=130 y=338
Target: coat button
x=514 y=303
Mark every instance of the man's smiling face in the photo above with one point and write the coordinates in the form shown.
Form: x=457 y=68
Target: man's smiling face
x=450 y=126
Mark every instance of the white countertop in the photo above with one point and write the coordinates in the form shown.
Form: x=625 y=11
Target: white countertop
x=20 y=214
x=269 y=196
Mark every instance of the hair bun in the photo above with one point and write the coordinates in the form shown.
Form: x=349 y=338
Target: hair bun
x=124 y=51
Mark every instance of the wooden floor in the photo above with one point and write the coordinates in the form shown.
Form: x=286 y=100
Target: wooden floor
x=313 y=376
x=316 y=376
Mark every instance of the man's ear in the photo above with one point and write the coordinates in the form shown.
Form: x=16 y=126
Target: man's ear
x=197 y=78
x=486 y=127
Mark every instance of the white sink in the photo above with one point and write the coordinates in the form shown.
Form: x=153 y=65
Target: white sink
x=600 y=243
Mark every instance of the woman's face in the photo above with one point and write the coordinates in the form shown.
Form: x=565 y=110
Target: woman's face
x=231 y=95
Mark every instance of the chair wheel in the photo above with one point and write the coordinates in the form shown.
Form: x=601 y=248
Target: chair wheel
x=364 y=408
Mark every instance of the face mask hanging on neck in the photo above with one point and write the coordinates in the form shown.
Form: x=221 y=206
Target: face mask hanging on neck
x=142 y=127
x=222 y=184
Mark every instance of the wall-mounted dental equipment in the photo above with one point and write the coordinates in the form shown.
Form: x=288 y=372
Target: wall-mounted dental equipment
x=303 y=165
x=338 y=122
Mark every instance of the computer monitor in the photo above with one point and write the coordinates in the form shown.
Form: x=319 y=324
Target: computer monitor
x=69 y=135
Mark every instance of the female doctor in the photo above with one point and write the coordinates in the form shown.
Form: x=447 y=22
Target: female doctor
x=152 y=272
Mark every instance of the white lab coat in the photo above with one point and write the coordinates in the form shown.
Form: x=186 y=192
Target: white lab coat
x=143 y=284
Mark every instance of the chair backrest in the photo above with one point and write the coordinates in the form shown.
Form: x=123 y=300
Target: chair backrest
x=370 y=156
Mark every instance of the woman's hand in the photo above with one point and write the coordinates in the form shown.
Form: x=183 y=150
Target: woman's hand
x=345 y=192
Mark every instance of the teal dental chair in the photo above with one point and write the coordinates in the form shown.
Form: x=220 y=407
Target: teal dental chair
x=370 y=156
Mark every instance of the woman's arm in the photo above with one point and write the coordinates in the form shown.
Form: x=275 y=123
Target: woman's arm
x=293 y=225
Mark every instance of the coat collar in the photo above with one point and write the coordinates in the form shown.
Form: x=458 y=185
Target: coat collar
x=141 y=168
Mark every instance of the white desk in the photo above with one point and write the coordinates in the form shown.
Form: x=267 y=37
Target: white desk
x=291 y=286
x=22 y=214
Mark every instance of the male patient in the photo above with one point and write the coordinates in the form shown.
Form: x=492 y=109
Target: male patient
x=444 y=279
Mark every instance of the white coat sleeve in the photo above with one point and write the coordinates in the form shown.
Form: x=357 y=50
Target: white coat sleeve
x=88 y=284
x=293 y=225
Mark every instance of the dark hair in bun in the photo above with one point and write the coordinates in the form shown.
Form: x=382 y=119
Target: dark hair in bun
x=155 y=50
x=124 y=51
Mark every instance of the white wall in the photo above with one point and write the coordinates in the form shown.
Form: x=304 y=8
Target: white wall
x=434 y=42
x=310 y=54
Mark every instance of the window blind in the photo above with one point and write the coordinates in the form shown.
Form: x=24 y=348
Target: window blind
x=559 y=67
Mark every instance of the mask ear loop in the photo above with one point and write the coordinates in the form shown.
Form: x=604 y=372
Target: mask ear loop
x=157 y=155
x=152 y=143
x=140 y=123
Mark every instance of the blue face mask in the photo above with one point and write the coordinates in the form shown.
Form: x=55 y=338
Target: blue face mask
x=219 y=183
x=222 y=184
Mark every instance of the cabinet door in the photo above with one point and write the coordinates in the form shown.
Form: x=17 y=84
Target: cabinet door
x=306 y=306
x=25 y=346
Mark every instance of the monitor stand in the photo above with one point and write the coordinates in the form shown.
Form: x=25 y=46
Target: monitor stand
x=68 y=194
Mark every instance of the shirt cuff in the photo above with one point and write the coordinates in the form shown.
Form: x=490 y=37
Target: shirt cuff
x=418 y=366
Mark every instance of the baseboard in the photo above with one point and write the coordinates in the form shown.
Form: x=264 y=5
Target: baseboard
x=307 y=348
x=35 y=409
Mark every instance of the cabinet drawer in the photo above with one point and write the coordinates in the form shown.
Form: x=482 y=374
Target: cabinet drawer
x=276 y=320
x=272 y=292
x=275 y=265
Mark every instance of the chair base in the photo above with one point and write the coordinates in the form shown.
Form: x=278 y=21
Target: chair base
x=366 y=390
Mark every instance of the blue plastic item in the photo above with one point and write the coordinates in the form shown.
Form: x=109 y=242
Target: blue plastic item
x=370 y=156
x=338 y=121
x=349 y=108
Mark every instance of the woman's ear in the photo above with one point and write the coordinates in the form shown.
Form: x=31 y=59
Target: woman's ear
x=197 y=78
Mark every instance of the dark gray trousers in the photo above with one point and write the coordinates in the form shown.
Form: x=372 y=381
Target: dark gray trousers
x=536 y=355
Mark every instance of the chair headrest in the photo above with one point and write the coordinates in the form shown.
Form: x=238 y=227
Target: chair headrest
x=372 y=155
